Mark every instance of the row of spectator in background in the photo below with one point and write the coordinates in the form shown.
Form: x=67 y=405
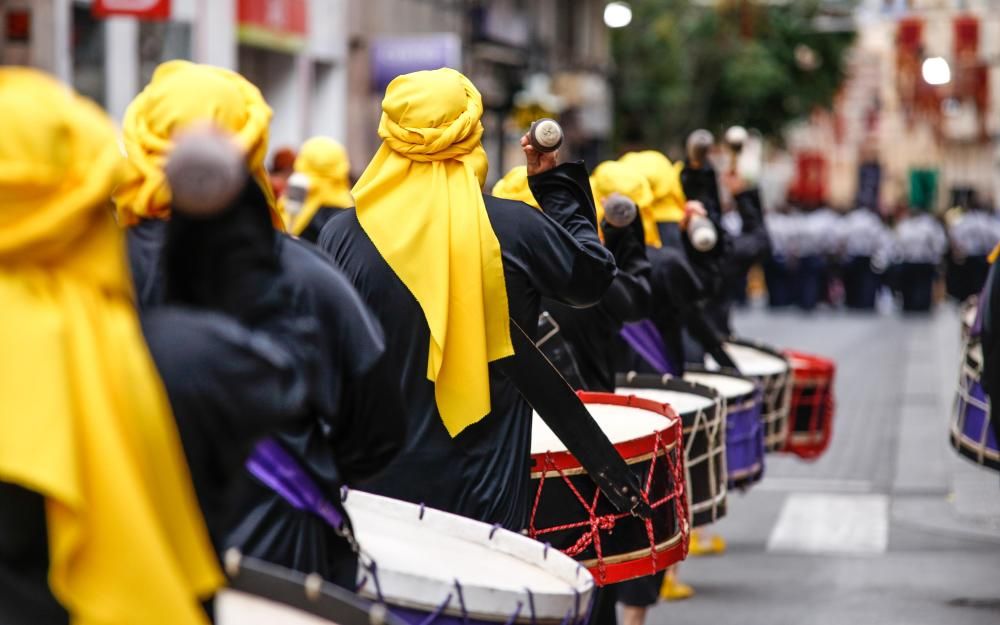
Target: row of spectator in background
x=862 y=261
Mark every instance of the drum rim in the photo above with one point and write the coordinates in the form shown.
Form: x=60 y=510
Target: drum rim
x=638 y=381
x=307 y=593
x=403 y=589
x=726 y=372
x=767 y=349
x=633 y=451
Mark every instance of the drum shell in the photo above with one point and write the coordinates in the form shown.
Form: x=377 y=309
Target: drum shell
x=810 y=419
x=704 y=444
x=744 y=431
x=625 y=551
x=777 y=396
x=970 y=433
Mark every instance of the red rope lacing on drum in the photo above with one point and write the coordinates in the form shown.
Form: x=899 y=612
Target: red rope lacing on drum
x=596 y=523
x=812 y=392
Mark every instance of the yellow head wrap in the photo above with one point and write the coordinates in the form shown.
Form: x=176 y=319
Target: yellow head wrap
x=182 y=94
x=420 y=201
x=84 y=419
x=514 y=186
x=664 y=180
x=615 y=177
x=325 y=162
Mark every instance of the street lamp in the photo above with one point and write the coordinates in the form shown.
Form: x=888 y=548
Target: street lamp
x=936 y=71
x=617 y=14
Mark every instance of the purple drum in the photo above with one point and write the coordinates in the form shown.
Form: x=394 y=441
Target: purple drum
x=744 y=427
x=971 y=433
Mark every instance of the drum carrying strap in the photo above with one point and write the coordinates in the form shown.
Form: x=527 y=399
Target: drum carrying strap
x=558 y=405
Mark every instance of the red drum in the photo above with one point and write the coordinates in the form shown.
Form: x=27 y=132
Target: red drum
x=810 y=422
x=572 y=514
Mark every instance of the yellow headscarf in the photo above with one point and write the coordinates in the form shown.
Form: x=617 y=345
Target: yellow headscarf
x=325 y=162
x=182 y=94
x=514 y=186
x=615 y=177
x=664 y=180
x=420 y=201
x=84 y=418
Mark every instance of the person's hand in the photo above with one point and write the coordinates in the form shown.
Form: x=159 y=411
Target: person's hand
x=733 y=182
x=538 y=162
x=691 y=209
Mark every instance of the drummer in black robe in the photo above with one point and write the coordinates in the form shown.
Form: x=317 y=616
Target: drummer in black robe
x=318 y=189
x=233 y=363
x=446 y=269
x=336 y=442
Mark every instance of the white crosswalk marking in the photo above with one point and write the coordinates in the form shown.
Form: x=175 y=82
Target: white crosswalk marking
x=832 y=523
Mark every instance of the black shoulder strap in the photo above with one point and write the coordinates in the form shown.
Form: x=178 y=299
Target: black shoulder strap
x=561 y=409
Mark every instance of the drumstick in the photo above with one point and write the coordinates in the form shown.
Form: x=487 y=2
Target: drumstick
x=205 y=172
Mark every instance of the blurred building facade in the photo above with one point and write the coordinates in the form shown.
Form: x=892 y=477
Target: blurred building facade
x=323 y=64
x=930 y=142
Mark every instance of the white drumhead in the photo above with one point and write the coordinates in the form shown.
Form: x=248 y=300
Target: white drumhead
x=681 y=402
x=752 y=361
x=728 y=386
x=233 y=607
x=419 y=559
x=619 y=423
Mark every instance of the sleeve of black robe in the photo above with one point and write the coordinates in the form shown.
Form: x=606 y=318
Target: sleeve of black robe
x=559 y=245
x=753 y=243
x=629 y=297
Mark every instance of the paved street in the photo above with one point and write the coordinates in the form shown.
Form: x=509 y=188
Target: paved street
x=890 y=526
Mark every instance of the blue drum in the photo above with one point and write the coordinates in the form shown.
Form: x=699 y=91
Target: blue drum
x=744 y=425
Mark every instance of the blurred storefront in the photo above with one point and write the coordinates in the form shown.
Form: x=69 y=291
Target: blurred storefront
x=294 y=50
x=528 y=58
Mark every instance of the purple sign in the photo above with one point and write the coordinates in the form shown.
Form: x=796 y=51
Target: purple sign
x=393 y=56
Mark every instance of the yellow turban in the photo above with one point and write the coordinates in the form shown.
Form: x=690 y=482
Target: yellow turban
x=664 y=180
x=615 y=177
x=182 y=94
x=514 y=186
x=325 y=162
x=84 y=418
x=420 y=201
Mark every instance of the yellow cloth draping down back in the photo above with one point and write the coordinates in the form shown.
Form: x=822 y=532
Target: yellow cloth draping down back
x=182 y=94
x=664 y=180
x=325 y=162
x=420 y=202
x=84 y=418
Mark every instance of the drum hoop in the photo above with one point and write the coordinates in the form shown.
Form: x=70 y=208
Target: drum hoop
x=629 y=450
x=638 y=553
x=308 y=593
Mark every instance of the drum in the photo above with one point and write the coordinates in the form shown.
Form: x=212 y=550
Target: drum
x=744 y=427
x=433 y=567
x=968 y=310
x=810 y=420
x=773 y=371
x=572 y=514
x=261 y=593
x=971 y=433
x=703 y=415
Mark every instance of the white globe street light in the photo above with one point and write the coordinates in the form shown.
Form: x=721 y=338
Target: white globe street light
x=617 y=14
x=936 y=71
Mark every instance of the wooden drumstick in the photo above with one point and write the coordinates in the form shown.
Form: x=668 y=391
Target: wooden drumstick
x=545 y=135
x=206 y=171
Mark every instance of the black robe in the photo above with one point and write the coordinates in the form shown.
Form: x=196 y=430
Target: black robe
x=483 y=473
x=590 y=334
x=334 y=440
x=315 y=225
x=234 y=364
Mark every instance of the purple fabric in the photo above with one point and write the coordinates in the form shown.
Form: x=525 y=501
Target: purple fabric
x=976 y=419
x=280 y=471
x=646 y=340
x=745 y=442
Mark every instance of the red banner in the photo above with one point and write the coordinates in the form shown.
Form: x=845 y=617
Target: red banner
x=144 y=9
x=966 y=38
